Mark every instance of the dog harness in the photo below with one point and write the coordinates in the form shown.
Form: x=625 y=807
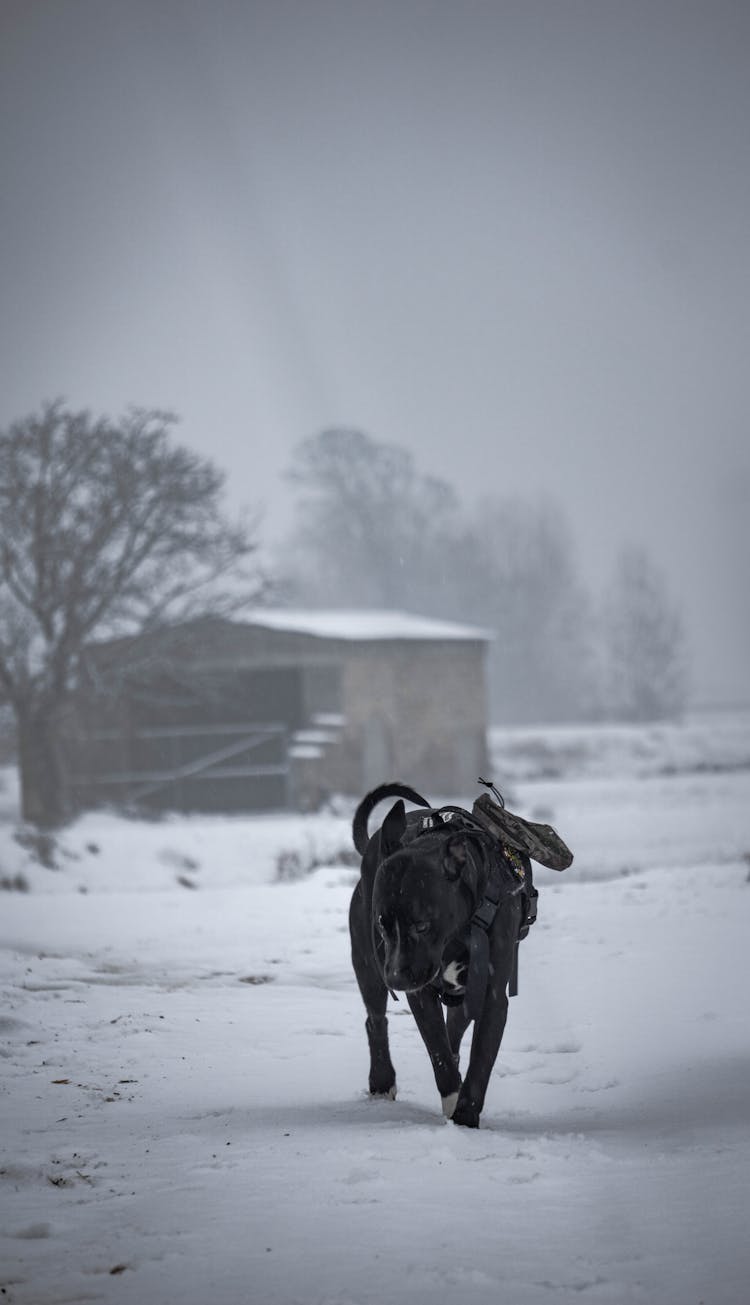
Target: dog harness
x=508 y=875
x=498 y=887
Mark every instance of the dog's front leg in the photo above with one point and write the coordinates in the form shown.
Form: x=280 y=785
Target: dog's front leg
x=428 y=1013
x=490 y=1026
x=485 y=1044
x=457 y=1022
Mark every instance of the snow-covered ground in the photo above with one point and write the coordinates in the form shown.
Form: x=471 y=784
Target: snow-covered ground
x=182 y=1111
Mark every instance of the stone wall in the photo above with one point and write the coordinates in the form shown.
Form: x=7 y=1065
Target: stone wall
x=416 y=712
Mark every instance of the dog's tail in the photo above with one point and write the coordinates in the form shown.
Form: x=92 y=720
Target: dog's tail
x=370 y=801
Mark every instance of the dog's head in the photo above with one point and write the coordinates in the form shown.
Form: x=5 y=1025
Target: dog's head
x=424 y=894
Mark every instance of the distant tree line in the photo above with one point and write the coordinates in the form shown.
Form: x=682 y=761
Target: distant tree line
x=371 y=529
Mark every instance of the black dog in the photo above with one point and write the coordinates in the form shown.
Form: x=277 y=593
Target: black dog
x=437 y=914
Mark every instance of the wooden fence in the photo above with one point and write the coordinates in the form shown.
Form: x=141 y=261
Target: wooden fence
x=218 y=767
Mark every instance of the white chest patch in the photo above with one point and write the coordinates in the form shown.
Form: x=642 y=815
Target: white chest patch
x=453 y=976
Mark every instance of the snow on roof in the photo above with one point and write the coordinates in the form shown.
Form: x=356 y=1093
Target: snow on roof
x=362 y=625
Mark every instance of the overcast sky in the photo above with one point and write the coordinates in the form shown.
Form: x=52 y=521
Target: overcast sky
x=514 y=237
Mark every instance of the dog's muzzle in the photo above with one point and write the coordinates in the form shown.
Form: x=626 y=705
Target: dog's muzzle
x=402 y=976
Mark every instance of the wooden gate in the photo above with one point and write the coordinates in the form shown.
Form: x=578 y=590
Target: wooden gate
x=221 y=767
x=184 y=742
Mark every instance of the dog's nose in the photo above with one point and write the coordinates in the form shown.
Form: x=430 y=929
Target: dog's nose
x=399 y=976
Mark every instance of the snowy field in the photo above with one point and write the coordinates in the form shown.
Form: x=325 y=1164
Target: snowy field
x=183 y=1115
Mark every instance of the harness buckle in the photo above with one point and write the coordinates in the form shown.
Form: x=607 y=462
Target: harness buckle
x=485 y=913
x=532 y=894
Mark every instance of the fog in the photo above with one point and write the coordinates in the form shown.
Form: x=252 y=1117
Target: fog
x=512 y=238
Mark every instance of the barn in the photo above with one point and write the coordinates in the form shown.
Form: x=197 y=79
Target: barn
x=281 y=709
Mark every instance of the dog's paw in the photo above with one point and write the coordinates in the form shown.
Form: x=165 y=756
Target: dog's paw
x=466 y=1114
x=449 y=1104
x=388 y=1095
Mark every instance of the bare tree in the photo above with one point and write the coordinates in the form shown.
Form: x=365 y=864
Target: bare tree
x=645 y=663
x=524 y=582
x=105 y=528
x=373 y=529
x=370 y=527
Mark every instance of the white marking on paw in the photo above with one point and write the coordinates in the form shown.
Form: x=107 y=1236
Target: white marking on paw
x=449 y=1104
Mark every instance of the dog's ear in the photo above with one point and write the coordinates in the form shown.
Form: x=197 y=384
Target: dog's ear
x=454 y=859
x=394 y=827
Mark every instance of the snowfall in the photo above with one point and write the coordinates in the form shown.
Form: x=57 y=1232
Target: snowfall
x=183 y=1108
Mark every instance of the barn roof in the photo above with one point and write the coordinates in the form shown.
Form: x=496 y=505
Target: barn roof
x=362 y=625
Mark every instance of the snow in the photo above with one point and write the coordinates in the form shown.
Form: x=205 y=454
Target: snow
x=183 y=1114
x=362 y=625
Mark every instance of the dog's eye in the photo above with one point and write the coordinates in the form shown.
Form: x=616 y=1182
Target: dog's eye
x=422 y=927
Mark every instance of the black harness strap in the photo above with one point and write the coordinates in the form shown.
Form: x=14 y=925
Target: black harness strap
x=502 y=869
x=479 y=944
x=531 y=894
